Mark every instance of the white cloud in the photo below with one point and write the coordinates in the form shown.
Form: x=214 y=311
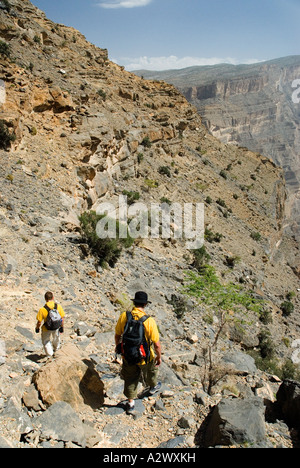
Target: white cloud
x=124 y=3
x=173 y=62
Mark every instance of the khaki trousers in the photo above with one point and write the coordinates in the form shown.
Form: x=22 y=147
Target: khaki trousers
x=51 y=341
x=132 y=376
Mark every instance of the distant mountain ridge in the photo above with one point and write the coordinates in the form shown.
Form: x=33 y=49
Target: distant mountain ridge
x=251 y=106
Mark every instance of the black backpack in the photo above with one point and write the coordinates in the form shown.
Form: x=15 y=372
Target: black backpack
x=134 y=345
x=53 y=320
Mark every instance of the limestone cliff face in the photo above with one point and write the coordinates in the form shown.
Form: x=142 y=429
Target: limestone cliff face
x=253 y=106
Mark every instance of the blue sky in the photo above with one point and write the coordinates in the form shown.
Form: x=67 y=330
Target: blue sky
x=162 y=34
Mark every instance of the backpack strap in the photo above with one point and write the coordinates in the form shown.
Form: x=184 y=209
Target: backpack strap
x=144 y=318
x=48 y=308
x=129 y=315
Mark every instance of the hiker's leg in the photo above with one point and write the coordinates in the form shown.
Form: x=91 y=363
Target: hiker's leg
x=56 y=340
x=46 y=340
x=150 y=373
x=131 y=376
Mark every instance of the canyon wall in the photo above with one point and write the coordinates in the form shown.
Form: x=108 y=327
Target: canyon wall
x=255 y=106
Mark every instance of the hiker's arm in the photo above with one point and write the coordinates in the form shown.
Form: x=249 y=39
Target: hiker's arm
x=38 y=326
x=157 y=349
x=117 y=339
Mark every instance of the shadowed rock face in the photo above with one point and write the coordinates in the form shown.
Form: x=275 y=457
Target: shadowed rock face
x=255 y=106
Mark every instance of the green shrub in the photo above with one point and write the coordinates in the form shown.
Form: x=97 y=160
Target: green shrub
x=140 y=158
x=165 y=170
x=290 y=295
x=290 y=371
x=6 y=138
x=151 y=183
x=223 y=174
x=207 y=287
x=132 y=197
x=232 y=260
x=4 y=49
x=102 y=94
x=256 y=236
x=179 y=305
x=165 y=200
x=146 y=142
x=266 y=345
x=201 y=257
x=221 y=202
x=287 y=308
x=266 y=316
x=211 y=237
x=107 y=251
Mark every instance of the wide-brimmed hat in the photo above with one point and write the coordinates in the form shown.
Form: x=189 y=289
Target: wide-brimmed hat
x=141 y=298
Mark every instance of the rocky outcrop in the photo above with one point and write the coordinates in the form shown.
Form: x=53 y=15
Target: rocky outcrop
x=288 y=403
x=69 y=378
x=236 y=421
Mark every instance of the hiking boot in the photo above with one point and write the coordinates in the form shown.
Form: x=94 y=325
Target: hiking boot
x=129 y=409
x=155 y=389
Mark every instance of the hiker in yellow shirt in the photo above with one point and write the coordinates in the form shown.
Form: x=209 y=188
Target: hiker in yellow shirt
x=50 y=332
x=149 y=368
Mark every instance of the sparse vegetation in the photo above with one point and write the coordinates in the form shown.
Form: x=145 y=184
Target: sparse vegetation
x=140 y=158
x=6 y=138
x=108 y=250
x=287 y=308
x=165 y=170
x=4 y=49
x=102 y=94
x=201 y=257
x=150 y=183
x=231 y=303
x=211 y=237
x=132 y=197
x=165 y=200
x=146 y=142
x=206 y=286
x=37 y=39
x=256 y=236
x=223 y=174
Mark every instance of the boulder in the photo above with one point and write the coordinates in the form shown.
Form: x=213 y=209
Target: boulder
x=242 y=362
x=31 y=399
x=69 y=378
x=60 y=422
x=14 y=420
x=235 y=422
x=288 y=403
